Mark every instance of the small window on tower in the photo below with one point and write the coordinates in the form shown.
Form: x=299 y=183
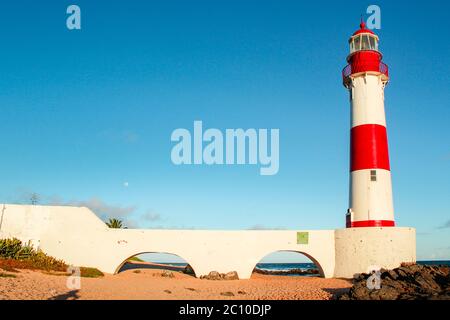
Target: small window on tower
x=373 y=175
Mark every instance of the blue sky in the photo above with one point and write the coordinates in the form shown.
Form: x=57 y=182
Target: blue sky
x=87 y=115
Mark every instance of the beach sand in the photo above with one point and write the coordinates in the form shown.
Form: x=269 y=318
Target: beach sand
x=148 y=283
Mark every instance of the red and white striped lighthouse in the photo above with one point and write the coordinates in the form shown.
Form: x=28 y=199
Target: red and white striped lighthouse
x=365 y=77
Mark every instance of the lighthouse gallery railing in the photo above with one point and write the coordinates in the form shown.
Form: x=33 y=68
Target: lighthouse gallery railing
x=382 y=68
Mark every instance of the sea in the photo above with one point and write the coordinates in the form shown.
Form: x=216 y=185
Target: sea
x=306 y=266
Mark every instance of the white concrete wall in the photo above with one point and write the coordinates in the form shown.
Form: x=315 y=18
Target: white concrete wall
x=359 y=248
x=78 y=237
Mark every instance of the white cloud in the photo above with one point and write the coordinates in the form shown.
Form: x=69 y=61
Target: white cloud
x=151 y=216
x=98 y=206
x=445 y=225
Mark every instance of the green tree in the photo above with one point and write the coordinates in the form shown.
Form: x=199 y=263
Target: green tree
x=34 y=198
x=114 y=223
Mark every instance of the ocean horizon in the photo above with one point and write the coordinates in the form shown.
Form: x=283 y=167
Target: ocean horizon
x=287 y=266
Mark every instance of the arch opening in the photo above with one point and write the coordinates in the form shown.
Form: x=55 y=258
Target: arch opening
x=288 y=263
x=158 y=261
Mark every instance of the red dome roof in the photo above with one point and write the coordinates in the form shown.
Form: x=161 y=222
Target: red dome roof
x=363 y=29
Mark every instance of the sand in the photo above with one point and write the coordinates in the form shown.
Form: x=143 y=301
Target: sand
x=150 y=284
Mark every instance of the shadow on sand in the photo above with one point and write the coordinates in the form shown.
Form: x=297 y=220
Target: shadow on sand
x=336 y=292
x=71 y=295
x=149 y=265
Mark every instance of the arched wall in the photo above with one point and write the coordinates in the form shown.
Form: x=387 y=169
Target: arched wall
x=77 y=236
x=221 y=251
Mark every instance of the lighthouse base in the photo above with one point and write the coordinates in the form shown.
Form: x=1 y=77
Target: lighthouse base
x=360 y=250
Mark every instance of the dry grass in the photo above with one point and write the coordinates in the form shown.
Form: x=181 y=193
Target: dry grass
x=56 y=269
x=39 y=262
x=15 y=256
x=7 y=275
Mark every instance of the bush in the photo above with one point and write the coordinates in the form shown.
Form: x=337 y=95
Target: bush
x=90 y=272
x=44 y=262
x=28 y=257
x=10 y=248
x=26 y=252
x=135 y=259
x=14 y=255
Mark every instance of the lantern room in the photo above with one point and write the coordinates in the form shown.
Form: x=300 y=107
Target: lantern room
x=364 y=55
x=363 y=40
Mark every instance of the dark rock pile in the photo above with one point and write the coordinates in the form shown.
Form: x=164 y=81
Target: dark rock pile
x=298 y=272
x=408 y=282
x=188 y=270
x=214 y=275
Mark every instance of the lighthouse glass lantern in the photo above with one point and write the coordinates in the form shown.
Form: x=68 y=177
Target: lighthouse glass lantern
x=362 y=42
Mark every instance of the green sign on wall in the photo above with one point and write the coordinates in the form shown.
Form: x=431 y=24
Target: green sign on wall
x=302 y=237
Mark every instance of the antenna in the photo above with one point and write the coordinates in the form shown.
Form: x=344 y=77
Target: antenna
x=362 y=24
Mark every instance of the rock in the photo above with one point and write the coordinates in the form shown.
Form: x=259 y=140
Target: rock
x=358 y=276
x=426 y=283
x=167 y=274
x=233 y=275
x=214 y=275
x=401 y=273
x=388 y=293
x=389 y=274
x=360 y=292
x=417 y=268
x=407 y=264
x=227 y=294
x=188 y=270
x=168 y=291
x=300 y=272
x=408 y=282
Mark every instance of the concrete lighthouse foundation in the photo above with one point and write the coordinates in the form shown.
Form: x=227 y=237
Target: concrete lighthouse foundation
x=364 y=249
x=77 y=236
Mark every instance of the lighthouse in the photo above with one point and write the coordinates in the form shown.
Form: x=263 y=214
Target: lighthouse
x=365 y=77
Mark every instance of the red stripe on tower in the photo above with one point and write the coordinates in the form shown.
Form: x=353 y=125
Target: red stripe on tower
x=369 y=148
x=372 y=223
